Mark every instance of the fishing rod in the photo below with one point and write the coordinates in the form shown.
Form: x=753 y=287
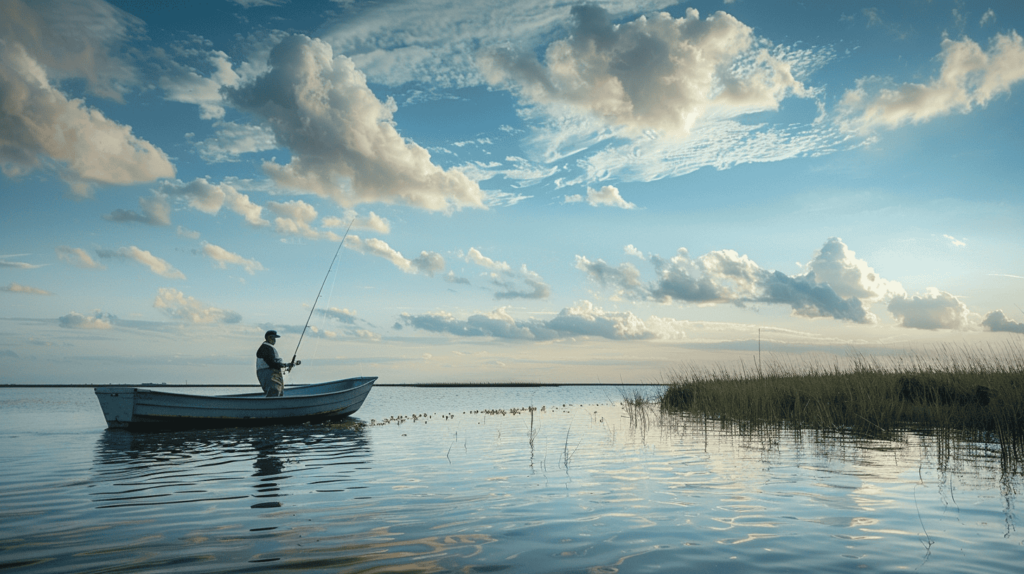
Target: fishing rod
x=296 y=354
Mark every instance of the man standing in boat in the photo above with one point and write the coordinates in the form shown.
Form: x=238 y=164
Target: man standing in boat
x=269 y=367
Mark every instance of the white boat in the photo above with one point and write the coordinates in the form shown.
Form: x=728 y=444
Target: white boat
x=145 y=408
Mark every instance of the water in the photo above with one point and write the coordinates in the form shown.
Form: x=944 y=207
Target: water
x=584 y=489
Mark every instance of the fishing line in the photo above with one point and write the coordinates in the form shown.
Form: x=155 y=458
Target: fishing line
x=296 y=354
x=324 y=318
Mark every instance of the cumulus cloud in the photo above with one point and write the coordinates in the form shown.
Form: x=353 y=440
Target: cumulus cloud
x=295 y=218
x=474 y=256
x=838 y=267
x=581 y=320
x=209 y=198
x=970 y=76
x=933 y=310
x=77 y=257
x=97 y=320
x=41 y=128
x=608 y=195
x=656 y=72
x=179 y=306
x=997 y=321
x=133 y=253
x=342 y=139
x=836 y=284
x=16 y=288
x=223 y=257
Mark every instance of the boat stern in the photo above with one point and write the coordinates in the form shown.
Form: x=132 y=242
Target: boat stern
x=118 y=405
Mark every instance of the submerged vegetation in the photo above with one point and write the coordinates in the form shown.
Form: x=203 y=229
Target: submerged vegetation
x=966 y=394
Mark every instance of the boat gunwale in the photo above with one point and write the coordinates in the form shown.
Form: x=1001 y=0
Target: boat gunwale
x=248 y=396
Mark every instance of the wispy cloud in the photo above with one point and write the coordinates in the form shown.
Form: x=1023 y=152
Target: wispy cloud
x=16 y=264
x=177 y=305
x=955 y=242
x=16 y=288
x=133 y=253
x=427 y=263
x=970 y=76
x=223 y=257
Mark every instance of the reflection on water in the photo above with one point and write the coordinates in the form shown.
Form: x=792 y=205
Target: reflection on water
x=572 y=486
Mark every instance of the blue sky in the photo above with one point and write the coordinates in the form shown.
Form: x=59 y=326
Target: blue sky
x=544 y=191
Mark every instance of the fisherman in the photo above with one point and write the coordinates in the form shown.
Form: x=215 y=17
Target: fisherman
x=269 y=366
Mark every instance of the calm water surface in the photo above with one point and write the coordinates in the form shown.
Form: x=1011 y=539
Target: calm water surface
x=440 y=480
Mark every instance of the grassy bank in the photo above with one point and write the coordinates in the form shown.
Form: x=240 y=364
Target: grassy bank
x=977 y=394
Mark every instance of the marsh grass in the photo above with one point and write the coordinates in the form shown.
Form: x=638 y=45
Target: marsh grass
x=965 y=394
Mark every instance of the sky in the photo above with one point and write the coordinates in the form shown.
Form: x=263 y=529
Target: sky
x=489 y=191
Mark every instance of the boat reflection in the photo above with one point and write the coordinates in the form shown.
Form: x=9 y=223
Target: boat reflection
x=134 y=469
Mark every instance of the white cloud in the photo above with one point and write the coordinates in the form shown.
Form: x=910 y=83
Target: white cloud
x=16 y=264
x=581 y=320
x=343 y=140
x=969 y=77
x=81 y=39
x=509 y=288
x=209 y=198
x=17 y=288
x=955 y=242
x=77 y=257
x=437 y=42
x=428 y=262
x=607 y=195
x=41 y=128
x=842 y=288
x=234 y=139
x=340 y=315
x=625 y=277
x=133 y=253
x=97 y=320
x=656 y=72
x=474 y=256
x=156 y=210
x=996 y=321
x=186 y=85
x=223 y=257
x=838 y=267
x=933 y=310
x=371 y=222
x=179 y=306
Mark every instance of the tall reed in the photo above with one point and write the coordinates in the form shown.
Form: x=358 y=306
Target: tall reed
x=975 y=394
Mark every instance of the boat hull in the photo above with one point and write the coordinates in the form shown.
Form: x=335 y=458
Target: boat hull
x=141 y=408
